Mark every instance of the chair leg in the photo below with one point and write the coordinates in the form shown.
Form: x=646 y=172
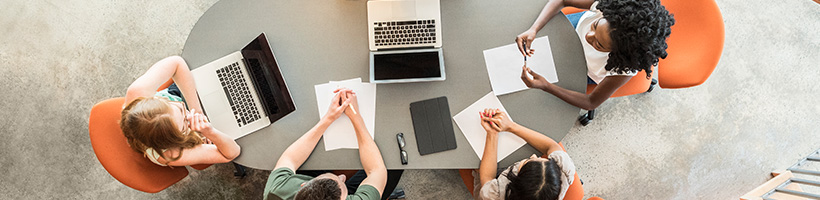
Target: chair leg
x=585 y=118
x=239 y=171
x=652 y=85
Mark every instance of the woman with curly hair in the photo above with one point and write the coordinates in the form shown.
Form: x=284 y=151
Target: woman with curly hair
x=160 y=126
x=620 y=38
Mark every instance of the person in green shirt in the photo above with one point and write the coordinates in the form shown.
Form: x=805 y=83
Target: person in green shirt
x=284 y=183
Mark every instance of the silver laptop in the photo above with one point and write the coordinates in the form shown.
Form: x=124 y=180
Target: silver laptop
x=243 y=91
x=405 y=41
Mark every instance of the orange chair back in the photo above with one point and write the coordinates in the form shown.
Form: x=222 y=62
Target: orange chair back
x=569 y=10
x=695 y=44
x=116 y=156
x=636 y=85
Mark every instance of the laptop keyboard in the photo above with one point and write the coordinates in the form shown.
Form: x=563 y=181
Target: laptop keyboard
x=405 y=33
x=264 y=89
x=239 y=95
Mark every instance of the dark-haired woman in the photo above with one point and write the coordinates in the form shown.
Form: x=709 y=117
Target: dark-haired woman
x=620 y=38
x=531 y=178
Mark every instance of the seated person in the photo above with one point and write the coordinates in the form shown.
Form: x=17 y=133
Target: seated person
x=284 y=183
x=159 y=124
x=619 y=37
x=531 y=178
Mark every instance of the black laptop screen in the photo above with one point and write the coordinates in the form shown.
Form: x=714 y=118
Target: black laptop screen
x=406 y=65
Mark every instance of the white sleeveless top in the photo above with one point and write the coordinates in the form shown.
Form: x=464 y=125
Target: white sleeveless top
x=596 y=60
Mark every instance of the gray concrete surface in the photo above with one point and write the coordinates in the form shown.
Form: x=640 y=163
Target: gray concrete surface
x=757 y=113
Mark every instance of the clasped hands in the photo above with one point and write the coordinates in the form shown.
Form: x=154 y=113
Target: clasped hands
x=345 y=101
x=494 y=120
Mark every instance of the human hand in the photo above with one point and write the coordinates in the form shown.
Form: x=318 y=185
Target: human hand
x=337 y=106
x=500 y=119
x=488 y=125
x=524 y=41
x=348 y=95
x=199 y=123
x=537 y=81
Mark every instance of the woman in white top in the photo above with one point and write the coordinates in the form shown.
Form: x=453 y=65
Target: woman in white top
x=531 y=178
x=159 y=125
x=620 y=38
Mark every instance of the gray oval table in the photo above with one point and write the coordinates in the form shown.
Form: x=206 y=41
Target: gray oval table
x=316 y=41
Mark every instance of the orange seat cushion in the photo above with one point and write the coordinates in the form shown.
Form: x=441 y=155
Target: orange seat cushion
x=636 y=85
x=117 y=157
x=695 y=44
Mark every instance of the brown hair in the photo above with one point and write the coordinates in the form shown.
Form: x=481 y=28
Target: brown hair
x=148 y=123
x=319 y=189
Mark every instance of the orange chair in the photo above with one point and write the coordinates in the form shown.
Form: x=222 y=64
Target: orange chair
x=122 y=162
x=575 y=191
x=695 y=44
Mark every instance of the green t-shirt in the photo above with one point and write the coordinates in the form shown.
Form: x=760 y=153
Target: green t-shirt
x=283 y=184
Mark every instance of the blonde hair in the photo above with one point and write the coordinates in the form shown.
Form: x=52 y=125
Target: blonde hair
x=148 y=123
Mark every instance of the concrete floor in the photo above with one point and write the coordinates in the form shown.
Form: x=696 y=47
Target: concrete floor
x=757 y=112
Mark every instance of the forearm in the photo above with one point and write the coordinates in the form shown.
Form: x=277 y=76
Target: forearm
x=369 y=153
x=489 y=163
x=574 y=98
x=300 y=150
x=226 y=145
x=549 y=10
x=539 y=141
x=185 y=81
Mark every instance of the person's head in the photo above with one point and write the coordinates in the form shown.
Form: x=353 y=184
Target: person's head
x=324 y=187
x=538 y=178
x=633 y=31
x=157 y=123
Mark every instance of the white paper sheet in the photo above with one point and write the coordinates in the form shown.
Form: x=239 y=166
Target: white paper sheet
x=504 y=65
x=340 y=134
x=469 y=122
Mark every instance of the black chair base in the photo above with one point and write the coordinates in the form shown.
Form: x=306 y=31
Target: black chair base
x=239 y=171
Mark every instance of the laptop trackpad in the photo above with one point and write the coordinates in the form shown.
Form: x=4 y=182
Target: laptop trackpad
x=215 y=103
x=404 y=10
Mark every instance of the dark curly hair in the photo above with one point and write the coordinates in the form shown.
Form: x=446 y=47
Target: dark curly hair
x=319 y=189
x=639 y=32
x=535 y=180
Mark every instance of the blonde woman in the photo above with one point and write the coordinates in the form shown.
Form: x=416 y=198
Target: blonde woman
x=160 y=125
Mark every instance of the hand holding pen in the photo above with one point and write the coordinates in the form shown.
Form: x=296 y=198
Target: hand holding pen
x=353 y=105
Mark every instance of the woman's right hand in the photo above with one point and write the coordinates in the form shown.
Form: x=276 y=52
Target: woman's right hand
x=524 y=41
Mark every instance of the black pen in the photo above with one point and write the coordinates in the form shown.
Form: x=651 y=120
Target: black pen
x=525 y=55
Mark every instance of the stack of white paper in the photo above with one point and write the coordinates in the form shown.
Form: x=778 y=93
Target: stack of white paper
x=340 y=134
x=504 y=65
x=469 y=122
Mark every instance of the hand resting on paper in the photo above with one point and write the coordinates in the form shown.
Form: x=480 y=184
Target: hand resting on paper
x=352 y=111
x=499 y=120
x=337 y=106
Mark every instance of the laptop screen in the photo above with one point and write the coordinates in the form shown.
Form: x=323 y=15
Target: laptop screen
x=409 y=65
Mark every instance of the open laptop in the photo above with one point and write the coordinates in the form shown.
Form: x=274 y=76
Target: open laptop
x=405 y=41
x=244 y=91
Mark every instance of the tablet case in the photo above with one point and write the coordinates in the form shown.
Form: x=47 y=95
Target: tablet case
x=433 y=125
